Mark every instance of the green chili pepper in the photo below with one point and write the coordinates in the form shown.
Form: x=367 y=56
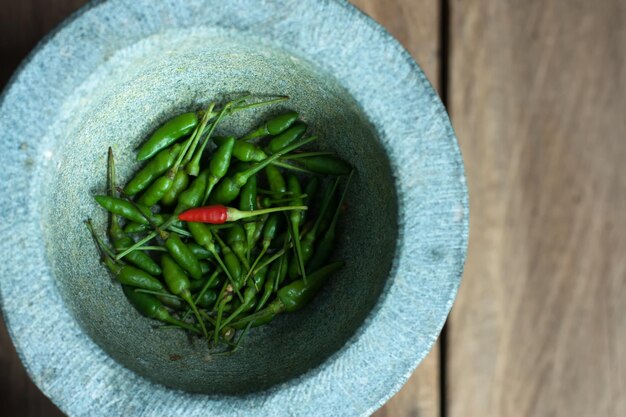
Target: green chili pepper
x=134 y=277
x=275 y=277
x=175 y=277
x=212 y=283
x=133 y=227
x=292 y=297
x=192 y=196
x=269 y=202
x=283 y=140
x=205 y=266
x=117 y=236
x=124 y=208
x=138 y=258
x=244 y=151
x=270 y=230
x=295 y=217
x=236 y=239
x=324 y=248
x=178 y=283
x=238 y=167
x=274 y=126
x=219 y=165
x=179 y=184
x=183 y=256
x=228 y=188
x=308 y=240
x=152 y=170
x=256 y=321
x=156 y=191
x=325 y=164
x=198 y=251
x=275 y=180
x=167 y=134
x=226 y=295
x=170 y=302
x=247 y=202
x=176 y=179
x=268 y=288
x=258 y=230
x=125 y=274
x=152 y=308
x=298 y=293
x=310 y=191
x=207 y=300
x=232 y=264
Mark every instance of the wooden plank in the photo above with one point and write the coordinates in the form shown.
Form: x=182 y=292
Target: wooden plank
x=537 y=99
x=22 y=24
x=416 y=25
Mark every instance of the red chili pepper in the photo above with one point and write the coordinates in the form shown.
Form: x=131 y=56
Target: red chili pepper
x=218 y=214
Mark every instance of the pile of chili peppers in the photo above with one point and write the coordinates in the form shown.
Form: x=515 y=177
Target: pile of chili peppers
x=215 y=235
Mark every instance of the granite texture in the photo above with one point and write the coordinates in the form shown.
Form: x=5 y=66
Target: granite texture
x=115 y=71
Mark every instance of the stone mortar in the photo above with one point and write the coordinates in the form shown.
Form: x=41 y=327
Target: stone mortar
x=119 y=68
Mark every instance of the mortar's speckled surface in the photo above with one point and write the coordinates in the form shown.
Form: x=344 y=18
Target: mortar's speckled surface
x=118 y=70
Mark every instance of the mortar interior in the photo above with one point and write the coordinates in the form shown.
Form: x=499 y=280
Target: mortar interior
x=135 y=91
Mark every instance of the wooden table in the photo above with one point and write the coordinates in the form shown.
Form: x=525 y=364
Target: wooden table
x=536 y=91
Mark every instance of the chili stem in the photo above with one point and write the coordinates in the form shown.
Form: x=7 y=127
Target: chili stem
x=333 y=223
x=235 y=215
x=114 y=225
x=281 y=264
x=286 y=200
x=220 y=312
x=238 y=343
x=102 y=248
x=256 y=261
x=192 y=142
x=272 y=258
x=306 y=155
x=136 y=246
x=166 y=225
x=147 y=248
x=180 y=231
x=197 y=314
x=228 y=275
x=160 y=231
x=296 y=240
x=292 y=167
x=206 y=286
x=232 y=108
x=273 y=158
x=212 y=182
x=230 y=278
x=270 y=192
x=195 y=160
